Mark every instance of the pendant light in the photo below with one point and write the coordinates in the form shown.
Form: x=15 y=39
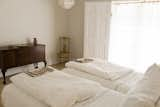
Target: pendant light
x=66 y=4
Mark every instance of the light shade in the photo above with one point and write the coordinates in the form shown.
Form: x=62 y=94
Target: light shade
x=66 y=4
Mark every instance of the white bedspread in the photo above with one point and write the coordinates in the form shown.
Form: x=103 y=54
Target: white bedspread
x=14 y=97
x=57 y=89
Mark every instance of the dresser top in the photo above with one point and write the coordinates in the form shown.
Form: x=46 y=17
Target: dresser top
x=14 y=47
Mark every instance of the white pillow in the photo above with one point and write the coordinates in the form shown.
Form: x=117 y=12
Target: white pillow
x=101 y=69
x=153 y=73
x=88 y=68
x=146 y=93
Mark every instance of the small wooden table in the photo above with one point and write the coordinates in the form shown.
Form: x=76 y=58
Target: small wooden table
x=20 y=55
x=64 y=57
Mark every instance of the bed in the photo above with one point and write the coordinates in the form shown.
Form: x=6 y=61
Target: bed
x=55 y=90
x=60 y=89
x=123 y=78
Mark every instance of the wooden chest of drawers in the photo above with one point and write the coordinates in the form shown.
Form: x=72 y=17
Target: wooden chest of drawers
x=15 y=56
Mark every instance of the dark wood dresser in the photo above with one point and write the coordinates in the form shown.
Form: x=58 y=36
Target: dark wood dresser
x=20 y=55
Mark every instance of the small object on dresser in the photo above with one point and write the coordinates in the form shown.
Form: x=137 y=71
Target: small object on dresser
x=34 y=41
x=84 y=60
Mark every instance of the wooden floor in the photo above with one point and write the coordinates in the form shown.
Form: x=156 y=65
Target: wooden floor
x=57 y=66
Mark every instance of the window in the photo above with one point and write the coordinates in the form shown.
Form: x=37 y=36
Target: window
x=135 y=35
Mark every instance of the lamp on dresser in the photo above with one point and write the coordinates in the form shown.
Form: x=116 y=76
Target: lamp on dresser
x=20 y=55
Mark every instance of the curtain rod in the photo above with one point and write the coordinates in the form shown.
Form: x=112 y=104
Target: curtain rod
x=136 y=2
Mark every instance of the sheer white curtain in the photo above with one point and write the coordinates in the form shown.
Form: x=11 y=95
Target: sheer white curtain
x=135 y=35
x=96 y=29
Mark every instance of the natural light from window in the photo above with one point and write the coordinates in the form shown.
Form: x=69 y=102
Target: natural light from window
x=135 y=35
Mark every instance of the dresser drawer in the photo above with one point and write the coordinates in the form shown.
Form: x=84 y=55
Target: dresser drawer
x=22 y=56
x=9 y=59
x=37 y=53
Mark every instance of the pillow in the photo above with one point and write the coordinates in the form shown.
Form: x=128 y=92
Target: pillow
x=101 y=69
x=153 y=73
x=88 y=68
x=146 y=93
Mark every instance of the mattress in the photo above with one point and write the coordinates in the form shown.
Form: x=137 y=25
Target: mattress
x=14 y=97
x=123 y=84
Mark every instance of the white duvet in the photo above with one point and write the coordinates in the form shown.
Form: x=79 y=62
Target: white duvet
x=101 y=69
x=14 y=97
x=57 y=89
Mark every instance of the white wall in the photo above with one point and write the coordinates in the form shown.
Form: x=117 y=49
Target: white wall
x=21 y=20
x=76 y=28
